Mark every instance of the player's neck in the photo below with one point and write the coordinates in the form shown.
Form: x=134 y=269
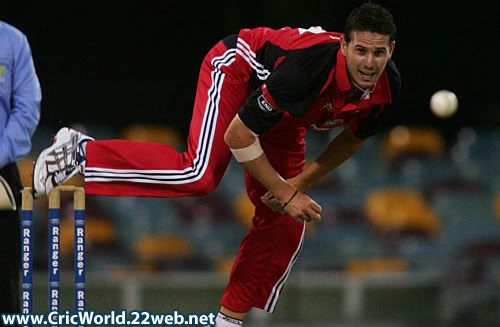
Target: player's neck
x=357 y=92
x=364 y=91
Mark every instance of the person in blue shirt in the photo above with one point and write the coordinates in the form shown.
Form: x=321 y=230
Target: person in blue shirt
x=20 y=97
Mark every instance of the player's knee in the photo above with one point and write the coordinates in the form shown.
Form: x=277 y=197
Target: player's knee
x=206 y=185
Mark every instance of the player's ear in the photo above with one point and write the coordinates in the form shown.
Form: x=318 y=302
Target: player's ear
x=343 y=45
x=392 y=46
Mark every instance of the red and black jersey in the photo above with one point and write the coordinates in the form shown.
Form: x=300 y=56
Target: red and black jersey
x=301 y=75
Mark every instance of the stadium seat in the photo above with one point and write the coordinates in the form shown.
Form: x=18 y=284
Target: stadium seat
x=400 y=210
x=362 y=266
x=331 y=247
x=223 y=265
x=466 y=218
x=210 y=208
x=403 y=141
x=99 y=232
x=152 y=133
x=244 y=209
x=453 y=184
x=153 y=248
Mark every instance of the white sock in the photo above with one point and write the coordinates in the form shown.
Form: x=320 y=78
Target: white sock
x=224 y=321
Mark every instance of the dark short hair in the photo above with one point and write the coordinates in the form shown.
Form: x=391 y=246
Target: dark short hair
x=370 y=17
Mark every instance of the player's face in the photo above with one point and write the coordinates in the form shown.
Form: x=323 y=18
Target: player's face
x=366 y=56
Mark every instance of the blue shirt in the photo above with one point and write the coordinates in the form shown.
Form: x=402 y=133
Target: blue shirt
x=20 y=95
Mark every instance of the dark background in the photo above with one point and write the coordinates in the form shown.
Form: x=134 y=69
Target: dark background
x=138 y=62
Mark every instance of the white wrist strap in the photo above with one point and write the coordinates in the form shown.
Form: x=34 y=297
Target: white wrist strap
x=249 y=153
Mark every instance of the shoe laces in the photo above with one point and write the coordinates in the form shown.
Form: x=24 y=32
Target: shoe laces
x=64 y=160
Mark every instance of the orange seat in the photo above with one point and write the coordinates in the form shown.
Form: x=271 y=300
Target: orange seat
x=403 y=140
x=154 y=248
x=98 y=231
x=223 y=265
x=244 y=209
x=357 y=266
x=400 y=209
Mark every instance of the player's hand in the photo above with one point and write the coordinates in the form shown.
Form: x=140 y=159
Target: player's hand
x=301 y=207
x=304 y=208
x=273 y=203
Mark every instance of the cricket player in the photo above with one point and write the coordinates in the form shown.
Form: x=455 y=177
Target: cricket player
x=258 y=92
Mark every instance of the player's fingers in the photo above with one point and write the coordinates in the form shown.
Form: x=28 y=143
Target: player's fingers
x=312 y=215
x=316 y=207
x=315 y=216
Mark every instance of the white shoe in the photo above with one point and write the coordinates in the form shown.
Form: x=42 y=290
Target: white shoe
x=59 y=162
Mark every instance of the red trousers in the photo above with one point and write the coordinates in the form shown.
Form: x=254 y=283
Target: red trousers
x=264 y=261
x=128 y=168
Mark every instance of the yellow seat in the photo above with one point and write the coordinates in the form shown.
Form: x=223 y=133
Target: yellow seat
x=224 y=265
x=400 y=209
x=157 y=248
x=99 y=231
x=360 y=266
x=403 y=140
x=152 y=133
x=244 y=209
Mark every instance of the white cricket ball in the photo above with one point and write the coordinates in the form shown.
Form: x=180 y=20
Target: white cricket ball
x=444 y=103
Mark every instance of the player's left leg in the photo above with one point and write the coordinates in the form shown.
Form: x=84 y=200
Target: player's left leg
x=228 y=318
x=263 y=263
x=59 y=162
x=129 y=168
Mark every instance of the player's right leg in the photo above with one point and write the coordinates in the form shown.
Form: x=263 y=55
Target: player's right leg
x=263 y=263
x=129 y=168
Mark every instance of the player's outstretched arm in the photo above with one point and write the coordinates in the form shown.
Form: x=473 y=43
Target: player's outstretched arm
x=245 y=147
x=340 y=149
